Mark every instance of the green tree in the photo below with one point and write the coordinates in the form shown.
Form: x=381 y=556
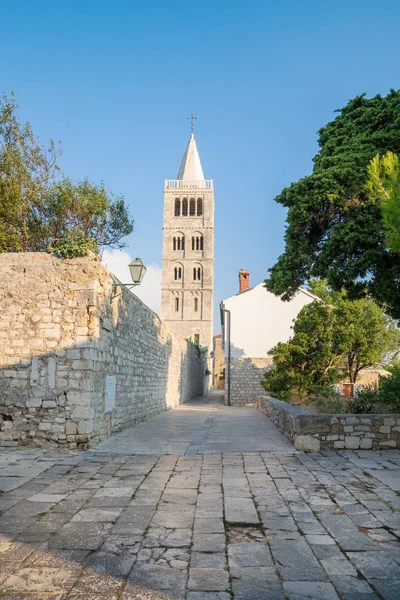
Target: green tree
x=82 y=216
x=334 y=227
x=333 y=336
x=309 y=359
x=364 y=334
x=383 y=185
x=39 y=212
x=26 y=170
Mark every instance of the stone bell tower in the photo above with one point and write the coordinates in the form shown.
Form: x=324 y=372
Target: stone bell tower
x=188 y=251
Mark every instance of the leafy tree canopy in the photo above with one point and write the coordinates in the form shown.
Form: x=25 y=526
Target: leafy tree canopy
x=335 y=228
x=333 y=336
x=384 y=187
x=41 y=211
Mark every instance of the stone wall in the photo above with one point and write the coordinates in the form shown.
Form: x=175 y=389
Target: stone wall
x=61 y=337
x=246 y=374
x=313 y=432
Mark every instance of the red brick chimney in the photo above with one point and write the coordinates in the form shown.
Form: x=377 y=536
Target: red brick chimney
x=244 y=280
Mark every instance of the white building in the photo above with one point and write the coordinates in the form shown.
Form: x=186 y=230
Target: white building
x=188 y=251
x=253 y=322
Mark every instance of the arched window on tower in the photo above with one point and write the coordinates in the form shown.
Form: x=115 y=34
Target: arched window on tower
x=199 y=207
x=197 y=242
x=184 y=207
x=196 y=273
x=178 y=241
x=178 y=273
x=177 y=304
x=192 y=207
x=177 y=207
x=196 y=305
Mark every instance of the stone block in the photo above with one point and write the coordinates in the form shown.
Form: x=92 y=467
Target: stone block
x=82 y=412
x=49 y=404
x=9 y=373
x=85 y=427
x=307 y=443
x=352 y=420
x=249 y=555
x=78 y=398
x=33 y=402
x=208 y=579
x=351 y=443
x=52 y=332
x=44 y=426
x=71 y=428
x=57 y=428
x=384 y=429
x=366 y=443
x=90 y=354
x=51 y=372
x=388 y=443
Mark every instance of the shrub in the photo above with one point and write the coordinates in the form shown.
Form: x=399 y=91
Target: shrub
x=385 y=398
x=389 y=389
x=72 y=245
x=365 y=401
x=327 y=400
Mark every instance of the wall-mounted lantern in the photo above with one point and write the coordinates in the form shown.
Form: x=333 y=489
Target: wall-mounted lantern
x=137 y=271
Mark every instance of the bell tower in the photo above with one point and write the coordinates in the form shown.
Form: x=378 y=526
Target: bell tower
x=188 y=250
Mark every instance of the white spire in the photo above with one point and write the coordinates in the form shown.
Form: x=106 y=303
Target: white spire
x=191 y=166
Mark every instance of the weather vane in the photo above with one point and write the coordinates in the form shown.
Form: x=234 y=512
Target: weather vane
x=192 y=119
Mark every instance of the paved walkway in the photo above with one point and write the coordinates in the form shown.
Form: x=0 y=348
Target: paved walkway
x=252 y=525
x=202 y=426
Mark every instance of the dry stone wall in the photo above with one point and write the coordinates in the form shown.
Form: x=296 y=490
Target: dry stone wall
x=314 y=432
x=75 y=366
x=246 y=374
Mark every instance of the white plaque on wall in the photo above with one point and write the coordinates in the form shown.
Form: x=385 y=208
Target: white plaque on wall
x=109 y=399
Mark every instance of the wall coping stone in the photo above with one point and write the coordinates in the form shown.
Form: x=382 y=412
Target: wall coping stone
x=311 y=432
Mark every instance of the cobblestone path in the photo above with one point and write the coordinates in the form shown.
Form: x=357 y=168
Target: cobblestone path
x=249 y=525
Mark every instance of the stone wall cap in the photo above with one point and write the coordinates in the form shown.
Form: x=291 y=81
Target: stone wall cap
x=291 y=408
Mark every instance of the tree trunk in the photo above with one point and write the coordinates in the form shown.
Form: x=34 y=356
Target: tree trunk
x=350 y=363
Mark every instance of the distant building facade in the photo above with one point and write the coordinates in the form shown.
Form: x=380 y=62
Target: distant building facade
x=218 y=364
x=254 y=321
x=188 y=251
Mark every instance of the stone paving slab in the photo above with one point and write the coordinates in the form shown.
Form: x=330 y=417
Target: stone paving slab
x=201 y=426
x=102 y=525
x=256 y=525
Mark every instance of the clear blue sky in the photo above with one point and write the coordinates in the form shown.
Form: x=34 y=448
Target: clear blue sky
x=115 y=82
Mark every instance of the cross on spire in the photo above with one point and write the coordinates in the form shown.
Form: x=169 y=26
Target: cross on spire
x=192 y=119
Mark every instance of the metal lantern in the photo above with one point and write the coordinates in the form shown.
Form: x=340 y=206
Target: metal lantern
x=137 y=270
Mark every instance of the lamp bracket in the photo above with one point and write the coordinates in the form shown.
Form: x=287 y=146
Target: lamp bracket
x=129 y=286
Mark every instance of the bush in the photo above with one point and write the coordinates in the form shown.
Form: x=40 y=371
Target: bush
x=326 y=400
x=74 y=244
x=365 y=401
x=389 y=389
x=385 y=398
